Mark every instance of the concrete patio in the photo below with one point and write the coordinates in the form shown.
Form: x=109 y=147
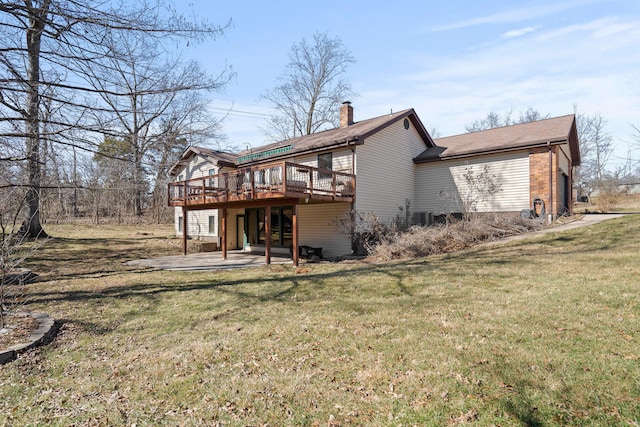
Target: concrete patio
x=209 y=261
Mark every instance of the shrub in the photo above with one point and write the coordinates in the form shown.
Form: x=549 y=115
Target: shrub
x=452 y=236
x=363 y=229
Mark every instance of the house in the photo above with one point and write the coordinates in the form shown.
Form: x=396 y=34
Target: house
x=287 y=195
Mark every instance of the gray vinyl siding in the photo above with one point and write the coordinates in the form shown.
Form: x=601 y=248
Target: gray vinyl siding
x=317 y=227
x=438 y=183
x=197 y=168
x=198 y=223
x=385 y=173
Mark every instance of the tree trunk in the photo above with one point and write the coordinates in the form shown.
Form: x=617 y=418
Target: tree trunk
x=137 y=183
x=31 y=225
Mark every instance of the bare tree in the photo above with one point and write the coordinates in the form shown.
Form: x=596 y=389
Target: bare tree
x=531 y=115
x=476 y=190
x=146 y=97
x=47 y=44
x=491 y=121
x=634 y=159
x=596 y=147
x=311 y=89
x=494 y=120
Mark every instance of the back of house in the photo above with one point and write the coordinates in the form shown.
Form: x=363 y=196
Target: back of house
x=297 y=193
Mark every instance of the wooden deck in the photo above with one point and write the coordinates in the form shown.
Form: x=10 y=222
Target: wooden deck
x=282 y=180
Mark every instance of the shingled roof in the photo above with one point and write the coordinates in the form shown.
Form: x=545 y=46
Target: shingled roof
x=353 y=134
x=558 y=130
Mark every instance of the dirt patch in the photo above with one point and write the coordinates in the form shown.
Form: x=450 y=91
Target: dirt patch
x=18 y=328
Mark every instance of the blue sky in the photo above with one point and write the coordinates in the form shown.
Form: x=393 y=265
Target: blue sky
x=453 y=61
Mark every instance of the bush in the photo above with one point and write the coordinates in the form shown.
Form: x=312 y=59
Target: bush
x=608 y=200
x=452 y=236
x=363 y=229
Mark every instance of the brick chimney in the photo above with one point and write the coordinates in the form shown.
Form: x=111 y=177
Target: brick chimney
x=346 y=114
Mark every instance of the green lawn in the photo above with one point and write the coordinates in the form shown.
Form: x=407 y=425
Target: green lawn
x=538 y=332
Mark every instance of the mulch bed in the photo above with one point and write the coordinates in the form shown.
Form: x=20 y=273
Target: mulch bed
x=18 y=327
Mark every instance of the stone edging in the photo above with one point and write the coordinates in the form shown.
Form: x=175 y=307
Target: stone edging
x=44 y=332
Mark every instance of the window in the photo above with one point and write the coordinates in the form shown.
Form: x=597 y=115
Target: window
x=212 y=224
x=180 y=178
x=325 y=161
x=179 y=224
x=212 y=181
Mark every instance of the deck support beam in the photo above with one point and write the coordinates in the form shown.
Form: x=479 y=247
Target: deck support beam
x=185 y=223
x=294 y=249
x=224 y=233
x=267 y=234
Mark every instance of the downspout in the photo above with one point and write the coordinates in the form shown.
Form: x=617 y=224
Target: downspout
x=571 y=198
x=353 y=202
x=353 y=170
x=550 y=218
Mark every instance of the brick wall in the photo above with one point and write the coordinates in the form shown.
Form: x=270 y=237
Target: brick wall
x=539 y=178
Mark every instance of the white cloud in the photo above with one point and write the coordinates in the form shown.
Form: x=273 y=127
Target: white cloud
x=515 y=15
x=591 y=64
x=520 y=32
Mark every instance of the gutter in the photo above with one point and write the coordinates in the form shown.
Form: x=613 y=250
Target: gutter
x=495 y=151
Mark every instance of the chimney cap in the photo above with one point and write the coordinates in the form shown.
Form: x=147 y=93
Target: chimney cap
x=346 y=103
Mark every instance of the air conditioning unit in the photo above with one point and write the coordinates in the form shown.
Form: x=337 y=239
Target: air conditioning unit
x=422 y=218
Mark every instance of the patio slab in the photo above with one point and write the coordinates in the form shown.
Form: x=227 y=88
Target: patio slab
x=209 y=261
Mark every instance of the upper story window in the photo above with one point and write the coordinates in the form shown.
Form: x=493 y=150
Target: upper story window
x=180 y=177
x=325 y=161
x=212 y=171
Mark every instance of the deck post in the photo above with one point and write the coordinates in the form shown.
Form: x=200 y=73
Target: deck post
x=267 y=234
x=333 y=184
x=224 y=233
x=284 y=177
x=295 y=249
x=185 y=212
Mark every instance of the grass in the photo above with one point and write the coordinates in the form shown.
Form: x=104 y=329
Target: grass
x=538 y=332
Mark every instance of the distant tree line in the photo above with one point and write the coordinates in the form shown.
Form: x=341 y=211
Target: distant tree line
x=95 y=104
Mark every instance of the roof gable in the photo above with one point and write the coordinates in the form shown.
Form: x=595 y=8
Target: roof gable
x=558 y=130
x=221 y=158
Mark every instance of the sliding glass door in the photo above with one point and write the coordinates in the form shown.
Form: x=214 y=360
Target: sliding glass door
x=281 y=226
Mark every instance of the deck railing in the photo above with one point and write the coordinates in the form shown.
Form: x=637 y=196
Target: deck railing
x=270 y=181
